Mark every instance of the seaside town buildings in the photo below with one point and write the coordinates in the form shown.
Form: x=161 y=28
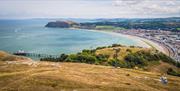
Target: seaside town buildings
x=168 y=39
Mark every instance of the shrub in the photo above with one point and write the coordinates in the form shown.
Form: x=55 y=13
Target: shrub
x=139 y=59
x=83 y=58
x=102 y=58
x=116 y=45
x=71 y=58
x=135 y=60
x=128 y=50
x=132 y=46
x=100 y=48
x=49 y=59
x=63 y=57
x=117 y=63
x=114 y=62
x=168 y=59
x=173 y=72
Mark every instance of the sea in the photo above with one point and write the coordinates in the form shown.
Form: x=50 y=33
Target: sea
x=31 y=35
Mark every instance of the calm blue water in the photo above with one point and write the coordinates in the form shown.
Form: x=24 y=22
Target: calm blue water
x=32 y=36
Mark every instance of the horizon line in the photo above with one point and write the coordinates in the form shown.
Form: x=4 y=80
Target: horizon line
x=87 y=18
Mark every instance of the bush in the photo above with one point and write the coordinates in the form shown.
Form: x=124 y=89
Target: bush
x=128 y=50
x=135 y=60
x=117 y=63
x=114 y=62
x=87 y=58
x=63 y=57
x=173 y=72
x=98 y=48
x=132 y=46
x=139 y=59
x=116 y=45
x=102 y=58
x=82 y=58
x=168 y=59
x=49 y=59
x=71 y=58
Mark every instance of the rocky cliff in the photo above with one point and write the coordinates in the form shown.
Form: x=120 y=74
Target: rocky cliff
x=61 y=24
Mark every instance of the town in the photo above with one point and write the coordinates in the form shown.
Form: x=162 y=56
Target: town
x=168 y=39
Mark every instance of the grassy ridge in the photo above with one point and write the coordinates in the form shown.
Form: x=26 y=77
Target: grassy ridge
x=18 y=75
x=119 y=56
x=50 y=76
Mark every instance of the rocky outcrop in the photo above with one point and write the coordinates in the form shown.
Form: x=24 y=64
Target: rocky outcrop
x=61 y=24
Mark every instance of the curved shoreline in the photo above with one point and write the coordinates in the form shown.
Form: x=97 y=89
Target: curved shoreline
x=143 y=42
x=137 y=39
x=158 y=46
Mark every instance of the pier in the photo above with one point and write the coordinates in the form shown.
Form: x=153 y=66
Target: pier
x=37 y=55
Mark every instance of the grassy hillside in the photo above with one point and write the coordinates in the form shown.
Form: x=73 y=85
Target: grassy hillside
x=7 y=57
x=123 y=57
x=23 y=74
x=160 y=65
x=124 y=50
x=50 y=76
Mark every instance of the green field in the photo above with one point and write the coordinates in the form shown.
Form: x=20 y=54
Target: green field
x=178 y=29
x=110 y=28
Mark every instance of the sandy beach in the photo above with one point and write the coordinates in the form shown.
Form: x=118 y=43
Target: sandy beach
x=142 y=42
x=156 y=45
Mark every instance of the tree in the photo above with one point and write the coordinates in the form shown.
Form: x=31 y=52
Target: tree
x=117 y=50
x=114 y=62
x=63 y=57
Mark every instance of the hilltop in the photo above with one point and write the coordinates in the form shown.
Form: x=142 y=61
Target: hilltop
x=55 y=76
x=61 y=24
x=149 y=55
x=147 y=59
x=96 y=70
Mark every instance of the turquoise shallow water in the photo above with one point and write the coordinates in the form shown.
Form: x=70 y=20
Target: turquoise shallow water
x=32 y=36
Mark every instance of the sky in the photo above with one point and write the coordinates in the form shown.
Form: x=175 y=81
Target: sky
x=89 y=8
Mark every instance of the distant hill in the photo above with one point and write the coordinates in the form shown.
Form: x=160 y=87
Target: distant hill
x=61 y=24
x=170 y=24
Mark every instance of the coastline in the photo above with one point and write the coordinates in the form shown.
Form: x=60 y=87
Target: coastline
x=160 y=47
x=153 y=44
x=142 y=42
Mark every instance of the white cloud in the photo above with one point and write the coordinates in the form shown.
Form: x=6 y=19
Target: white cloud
x=150 y=8
x=89 y=8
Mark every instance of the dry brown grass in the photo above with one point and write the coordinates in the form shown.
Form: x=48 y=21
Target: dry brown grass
x=162 y=67
x=7 y=57
x=123 y=51
x=49 y=76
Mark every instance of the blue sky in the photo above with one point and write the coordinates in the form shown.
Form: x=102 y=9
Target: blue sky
x=89 y=8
